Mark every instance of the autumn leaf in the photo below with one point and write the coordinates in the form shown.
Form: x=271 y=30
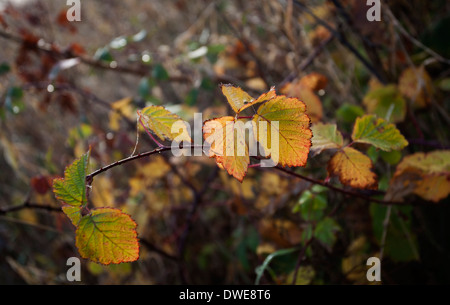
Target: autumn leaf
x=106 y=236
x=228 y=146
x=160 y=121
x=353 y=168
x=379 y=133
x=240 y=100
x=386 y=102
x=415 y=84
x=294 y=133
x=119 y=109
x=325 y=136
x=426 y=175
x=303 y=91
x=315 y=81
x=71 y=190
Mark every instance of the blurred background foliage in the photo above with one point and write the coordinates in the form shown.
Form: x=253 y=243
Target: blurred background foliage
x=65 y=86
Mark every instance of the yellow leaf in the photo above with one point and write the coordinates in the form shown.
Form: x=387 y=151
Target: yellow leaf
x=161 y=122
x=434 y=187
x=228 y=146
x=286 y=119
x=426 y=175
x=120 y=108
x=353 y=168
x=236 y=97
x=305 y=275
x=239 y=100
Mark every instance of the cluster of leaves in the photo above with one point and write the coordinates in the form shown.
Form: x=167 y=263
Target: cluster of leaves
x=361 y=107
x=103 y=235
x=292 y=129
x=351 y=166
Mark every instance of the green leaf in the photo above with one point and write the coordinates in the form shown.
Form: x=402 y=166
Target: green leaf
x=71 y=190
x=348 y=113
x=444 y=84
x=4 y=68
x=386 y=102
x=325 y=232
x=368 y=129
x=391 y=157
x=401 y=243
x=106 y=236
x=103 y=54
x=311 y=205
x=14 y=100
x=325 y=136
x=260 y=269
x=159 y=72
x=145 y=87
x=191 y=98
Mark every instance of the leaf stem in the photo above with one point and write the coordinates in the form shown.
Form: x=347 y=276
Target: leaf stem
x=148 y=132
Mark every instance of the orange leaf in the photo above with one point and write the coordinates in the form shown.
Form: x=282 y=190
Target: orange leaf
x=304 y=93
x=314 y=81
x=227 y=140
x=415 y=83
x=353 y=168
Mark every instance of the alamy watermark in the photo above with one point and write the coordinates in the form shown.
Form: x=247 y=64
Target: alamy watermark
x=374 y=272
x=74 y=12
x=373 y=13
x=73 y=274
x=228 y=140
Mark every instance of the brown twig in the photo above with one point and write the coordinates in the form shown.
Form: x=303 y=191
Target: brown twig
x=343 y=40
x=28 y=205
x=340 y=190
x=299 y=260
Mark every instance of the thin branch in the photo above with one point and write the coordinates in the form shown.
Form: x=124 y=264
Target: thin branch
x=29 y=205
x=299 y=260
x=343 y=40
x=259 y=64
x=307 y=61
x=152 y=247
x=414 y=40
x=337 y=189
x=123 y=161
x=386 y=221
x=368 y=45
